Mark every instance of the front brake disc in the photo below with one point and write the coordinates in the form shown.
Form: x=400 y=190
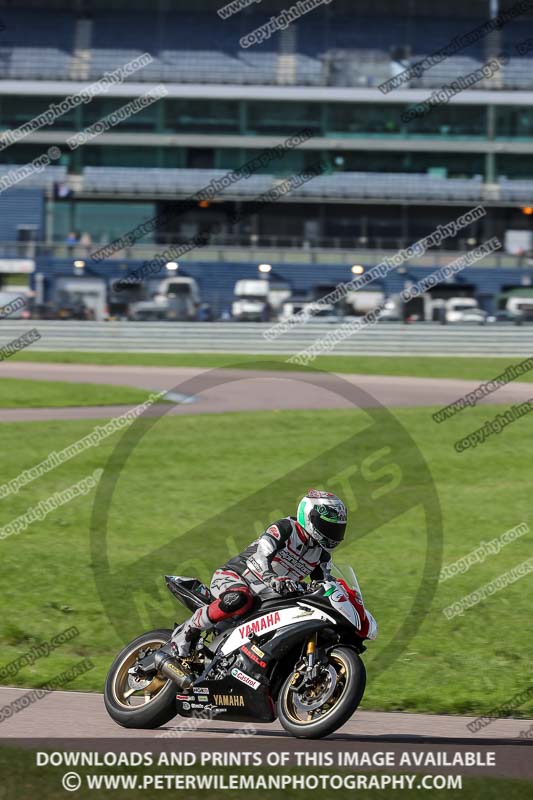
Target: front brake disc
x=306 y=704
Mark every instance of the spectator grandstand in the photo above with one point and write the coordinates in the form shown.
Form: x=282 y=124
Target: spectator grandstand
x=351 y=185
x=386 y=181
x=342 y=46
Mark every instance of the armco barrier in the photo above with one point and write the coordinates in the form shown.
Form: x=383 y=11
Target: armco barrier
x=236 y=337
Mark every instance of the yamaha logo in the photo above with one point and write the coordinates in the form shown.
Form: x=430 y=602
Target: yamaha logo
x=261 y=624
x=229 y=699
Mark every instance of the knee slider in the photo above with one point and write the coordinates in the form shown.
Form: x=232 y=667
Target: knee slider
x=234 y=600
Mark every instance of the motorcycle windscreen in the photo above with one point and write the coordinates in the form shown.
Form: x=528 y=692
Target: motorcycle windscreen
x=347 y=573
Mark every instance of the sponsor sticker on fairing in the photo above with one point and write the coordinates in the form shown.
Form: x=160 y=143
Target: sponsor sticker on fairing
x=304 y=612
x=200 y=690
x=244 y=678
x=339 y=595
x=182 y=697
x=252 y=656
x=213 y=709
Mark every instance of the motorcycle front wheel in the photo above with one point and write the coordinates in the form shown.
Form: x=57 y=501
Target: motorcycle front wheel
x=315 y=710
x=135 y=703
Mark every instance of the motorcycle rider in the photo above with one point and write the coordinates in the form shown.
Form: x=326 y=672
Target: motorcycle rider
x=287 y=552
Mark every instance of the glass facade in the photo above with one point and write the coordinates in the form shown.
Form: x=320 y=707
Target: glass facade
x=515 y=166
x=201 y=116
x=15 y=111
x=103 y=220
x=514 y=122
x=338 y=225
x=351 y=121
x=258 y=118
x=386 y=120
x=268 y=118
x=451 y=165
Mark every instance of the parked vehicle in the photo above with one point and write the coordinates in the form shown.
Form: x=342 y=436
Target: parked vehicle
x=505 y=318
x=80 y=298
x=176 y=299
x=183 y=297
x=362 y=302
x=295 y=305
x=433 y=309
x=154 y=310
x=392 y=311
x=519 y=305
x=251 y=301
x=464 y=310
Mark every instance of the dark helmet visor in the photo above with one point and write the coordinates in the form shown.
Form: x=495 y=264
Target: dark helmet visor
x=325 y=522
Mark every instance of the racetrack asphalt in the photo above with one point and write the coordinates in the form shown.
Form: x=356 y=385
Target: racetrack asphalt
x=83 y=715
x=246 y=390
x=70 y=721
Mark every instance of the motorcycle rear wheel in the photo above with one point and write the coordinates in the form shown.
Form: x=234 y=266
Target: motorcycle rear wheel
x=148 y=706
x=346 y=692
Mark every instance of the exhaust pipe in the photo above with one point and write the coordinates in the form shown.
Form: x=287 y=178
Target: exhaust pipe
x=169 y=667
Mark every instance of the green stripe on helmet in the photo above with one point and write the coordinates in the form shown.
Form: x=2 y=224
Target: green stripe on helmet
x=300 y=514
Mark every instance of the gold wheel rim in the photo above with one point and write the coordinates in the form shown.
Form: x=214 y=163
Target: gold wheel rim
x=134 y=699
x=342 y=669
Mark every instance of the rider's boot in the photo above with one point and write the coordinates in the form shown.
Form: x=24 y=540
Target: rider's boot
x=185 y=639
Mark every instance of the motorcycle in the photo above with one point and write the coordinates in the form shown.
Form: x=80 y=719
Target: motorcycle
x=295 y=658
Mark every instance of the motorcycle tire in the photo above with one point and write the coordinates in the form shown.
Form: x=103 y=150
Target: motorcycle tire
x=158 y=710
x=343 y=708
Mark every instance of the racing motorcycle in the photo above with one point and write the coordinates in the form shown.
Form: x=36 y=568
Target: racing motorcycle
x=295 y=658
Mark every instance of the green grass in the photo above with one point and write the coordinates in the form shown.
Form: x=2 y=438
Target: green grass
x=21 y=393
x=197 y=488
x=467 y=368
x=23 y=779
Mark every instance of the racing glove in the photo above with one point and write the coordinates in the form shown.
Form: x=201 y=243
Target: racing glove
x=282 y=585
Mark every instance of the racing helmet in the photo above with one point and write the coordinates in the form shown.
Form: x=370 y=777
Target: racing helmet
x=323 y=516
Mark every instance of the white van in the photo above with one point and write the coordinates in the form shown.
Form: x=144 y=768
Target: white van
x=251 y=301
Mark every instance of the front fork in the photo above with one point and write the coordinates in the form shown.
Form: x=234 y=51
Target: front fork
x=307 y=669
x=311 y=656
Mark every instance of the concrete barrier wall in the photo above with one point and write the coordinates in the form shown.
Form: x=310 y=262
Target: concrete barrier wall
x=234 y=337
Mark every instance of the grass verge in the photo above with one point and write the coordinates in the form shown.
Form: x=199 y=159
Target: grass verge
x=22 y=393
x=24 y=780
x=467 y=368
x=182 y=505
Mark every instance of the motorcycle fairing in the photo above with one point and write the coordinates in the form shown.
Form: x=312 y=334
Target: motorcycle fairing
x=228 y=699
x=262 y=623
x=191 y=592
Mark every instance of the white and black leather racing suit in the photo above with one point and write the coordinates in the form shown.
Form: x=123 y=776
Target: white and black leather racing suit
x=284 y=553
